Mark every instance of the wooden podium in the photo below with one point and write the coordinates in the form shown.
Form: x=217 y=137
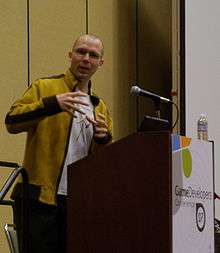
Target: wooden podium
x=120 y=198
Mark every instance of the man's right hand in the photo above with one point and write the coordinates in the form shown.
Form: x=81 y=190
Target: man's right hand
x=69 y=101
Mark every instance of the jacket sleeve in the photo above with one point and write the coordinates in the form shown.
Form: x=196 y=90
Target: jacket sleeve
x=32 y=107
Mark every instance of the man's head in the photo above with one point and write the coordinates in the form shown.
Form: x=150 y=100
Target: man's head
x=86 y=56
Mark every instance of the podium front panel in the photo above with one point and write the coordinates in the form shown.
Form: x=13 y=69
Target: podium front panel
x=119 y=198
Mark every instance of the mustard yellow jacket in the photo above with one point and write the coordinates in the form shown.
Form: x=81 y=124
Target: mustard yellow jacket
x=48 y=129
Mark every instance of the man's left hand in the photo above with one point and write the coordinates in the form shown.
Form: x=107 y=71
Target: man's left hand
x=100 y=126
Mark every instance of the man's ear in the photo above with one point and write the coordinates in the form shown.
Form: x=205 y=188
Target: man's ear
x=70 y=55
x=101 y=62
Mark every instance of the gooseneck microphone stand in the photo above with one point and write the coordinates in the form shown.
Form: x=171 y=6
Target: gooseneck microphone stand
x=157 y=104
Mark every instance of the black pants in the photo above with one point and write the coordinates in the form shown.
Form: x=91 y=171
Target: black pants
x=46 y=226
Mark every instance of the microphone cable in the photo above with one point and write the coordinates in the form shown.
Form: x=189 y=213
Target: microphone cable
x=177 y=114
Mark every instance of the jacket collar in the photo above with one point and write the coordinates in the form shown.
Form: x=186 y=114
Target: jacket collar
x=71 y=81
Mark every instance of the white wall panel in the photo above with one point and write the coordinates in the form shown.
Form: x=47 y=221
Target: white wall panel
x=202 y=28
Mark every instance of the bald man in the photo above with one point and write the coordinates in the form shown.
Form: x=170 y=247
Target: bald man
x=64 y=121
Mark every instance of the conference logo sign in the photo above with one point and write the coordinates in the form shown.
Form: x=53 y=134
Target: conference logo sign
x=200 y=216
x=180 y=143
x=192 y=195
x=186 y=193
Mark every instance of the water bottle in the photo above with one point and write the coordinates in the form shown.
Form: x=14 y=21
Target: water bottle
x=202 y=127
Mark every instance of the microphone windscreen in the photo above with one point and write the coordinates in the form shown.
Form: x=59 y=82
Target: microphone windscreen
x=135 y=90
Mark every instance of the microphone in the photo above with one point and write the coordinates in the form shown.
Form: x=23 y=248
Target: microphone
x=136 y=91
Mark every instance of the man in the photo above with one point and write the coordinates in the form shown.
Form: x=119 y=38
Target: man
x=64 y=121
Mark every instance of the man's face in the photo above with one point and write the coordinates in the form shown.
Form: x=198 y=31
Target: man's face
x=86 y=57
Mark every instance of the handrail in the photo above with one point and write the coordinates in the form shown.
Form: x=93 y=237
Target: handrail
x=25 y=212
x=9 y=182
x=8 y=164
